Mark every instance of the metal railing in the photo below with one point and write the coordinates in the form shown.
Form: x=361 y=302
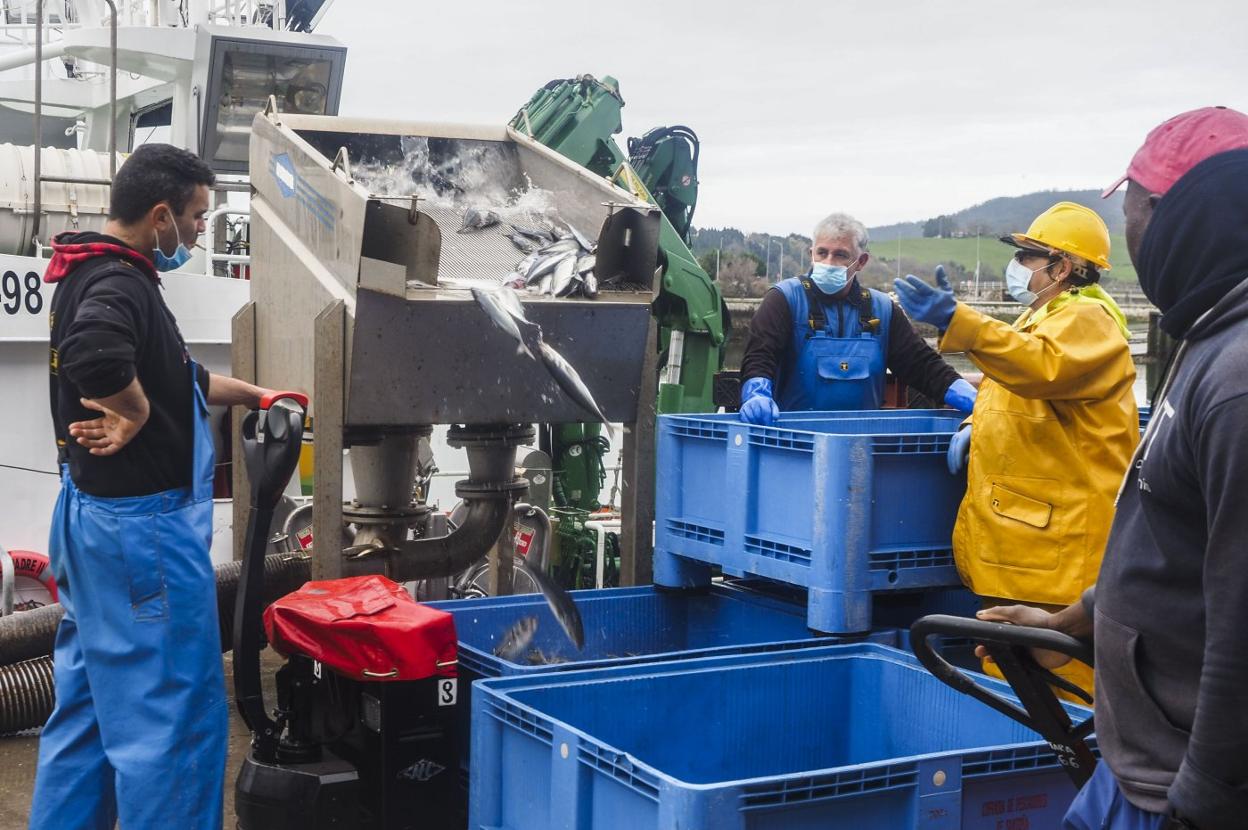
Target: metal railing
x=112 y=116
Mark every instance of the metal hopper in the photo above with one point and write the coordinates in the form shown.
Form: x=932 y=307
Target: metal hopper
x=362 y=298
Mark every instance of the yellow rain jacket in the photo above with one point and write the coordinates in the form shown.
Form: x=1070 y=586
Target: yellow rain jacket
x=1055 y=425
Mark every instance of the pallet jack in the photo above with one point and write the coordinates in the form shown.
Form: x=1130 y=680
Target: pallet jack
x=1038 y=707
x=361 y=736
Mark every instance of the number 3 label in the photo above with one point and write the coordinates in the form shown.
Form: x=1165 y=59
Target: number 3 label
x=448 y=691
x=18 y=293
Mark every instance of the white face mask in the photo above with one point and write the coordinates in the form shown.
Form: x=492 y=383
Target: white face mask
x=1018 y=281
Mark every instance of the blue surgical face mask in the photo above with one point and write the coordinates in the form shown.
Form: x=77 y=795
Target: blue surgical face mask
x=1018 y=282
x=180 y=256
x=829 y=278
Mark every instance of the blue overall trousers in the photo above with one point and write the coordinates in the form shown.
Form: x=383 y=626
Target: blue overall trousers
x=1100 y=805
x=838 y=363
x=140 y=724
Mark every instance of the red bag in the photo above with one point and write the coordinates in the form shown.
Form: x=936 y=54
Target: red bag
x=364 y=627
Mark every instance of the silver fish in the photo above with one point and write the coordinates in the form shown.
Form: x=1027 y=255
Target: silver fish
x=562 y=246
x=510 y=301
x=582 y=239
x=516 y=639
x=496 y=309
x=522 y=242
x=475 y=220
x=591 y=284
x=559 y=600
x=565 y=274
x=586 y=263
x=539 y=235
x=523 y=266
x=570 y=382
x=545 y=265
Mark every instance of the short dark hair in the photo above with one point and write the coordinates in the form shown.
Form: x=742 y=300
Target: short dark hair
x=156 y=173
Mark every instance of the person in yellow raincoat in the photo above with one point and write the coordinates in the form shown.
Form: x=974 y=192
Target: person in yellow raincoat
x=1055 y=423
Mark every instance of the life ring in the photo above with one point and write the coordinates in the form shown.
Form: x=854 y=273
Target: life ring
x=35 y=566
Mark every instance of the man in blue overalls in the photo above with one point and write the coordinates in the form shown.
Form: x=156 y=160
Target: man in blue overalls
x=822 y=342
x=140 y=725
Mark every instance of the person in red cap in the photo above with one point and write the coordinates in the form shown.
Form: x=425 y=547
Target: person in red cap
x=1169 y=613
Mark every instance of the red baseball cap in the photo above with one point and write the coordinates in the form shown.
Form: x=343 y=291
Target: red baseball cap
x=1180 y=144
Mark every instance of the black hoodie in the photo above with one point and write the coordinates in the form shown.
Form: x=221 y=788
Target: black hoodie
x=110 y=324
x=1171 y=603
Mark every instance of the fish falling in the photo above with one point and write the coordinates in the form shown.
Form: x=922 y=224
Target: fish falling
x=503 y=307
x=516 y=639
x=559 y=600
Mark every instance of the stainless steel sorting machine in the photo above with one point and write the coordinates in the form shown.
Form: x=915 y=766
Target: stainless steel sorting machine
x=363 y=300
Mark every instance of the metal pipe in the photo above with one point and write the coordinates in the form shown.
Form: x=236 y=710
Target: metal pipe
x=484 y=521
x=77 y=180
x=112 y=91
x=38 y=198
x=210 y=233
x=26 y=57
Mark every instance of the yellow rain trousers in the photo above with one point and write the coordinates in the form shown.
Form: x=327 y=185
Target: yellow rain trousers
x=1055 y=425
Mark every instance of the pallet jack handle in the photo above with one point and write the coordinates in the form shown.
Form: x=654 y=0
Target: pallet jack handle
x=272 y=438
x=1010 y=647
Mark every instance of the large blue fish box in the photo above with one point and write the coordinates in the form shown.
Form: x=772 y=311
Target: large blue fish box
x=849 y=736
x=844 y=504
x=625 y=626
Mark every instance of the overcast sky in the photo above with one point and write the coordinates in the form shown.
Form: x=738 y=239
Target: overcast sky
x=891 y=110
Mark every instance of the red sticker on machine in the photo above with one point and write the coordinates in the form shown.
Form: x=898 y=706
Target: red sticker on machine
x=522 y=538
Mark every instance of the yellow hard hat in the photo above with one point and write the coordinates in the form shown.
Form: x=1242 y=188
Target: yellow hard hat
x=1067 y=227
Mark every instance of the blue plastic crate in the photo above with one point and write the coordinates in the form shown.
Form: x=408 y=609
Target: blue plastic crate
x=851 y=737
x=625 y=626
x=844 y=504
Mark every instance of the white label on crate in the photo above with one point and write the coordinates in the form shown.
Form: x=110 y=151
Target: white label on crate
x=316 y=669
x=448 y=691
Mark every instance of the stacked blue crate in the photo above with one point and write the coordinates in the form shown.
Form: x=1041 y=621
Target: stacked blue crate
x=844 y=504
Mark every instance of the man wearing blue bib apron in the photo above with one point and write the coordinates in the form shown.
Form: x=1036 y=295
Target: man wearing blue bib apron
x=822 y=342
x=140 y=724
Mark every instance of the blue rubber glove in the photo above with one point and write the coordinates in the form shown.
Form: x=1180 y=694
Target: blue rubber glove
x=959 y=451
x=961 y=395
x=757 y=406
x=923 y=302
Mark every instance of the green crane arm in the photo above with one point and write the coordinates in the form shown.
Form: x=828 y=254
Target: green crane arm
x=578 y=118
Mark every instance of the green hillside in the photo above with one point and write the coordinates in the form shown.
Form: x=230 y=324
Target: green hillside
x=993 y=255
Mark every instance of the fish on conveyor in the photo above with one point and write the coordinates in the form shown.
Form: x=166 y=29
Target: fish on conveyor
x=570 y=382
x=582 y=239
x=545 y=264
x=502 y=313
x=517 y=639
x=586 y=263
x=559 y=600
x=590 y=284
x=475 y=220
x=523 y=266
x=539 y=235
x=524 y=243
x=562 y=281
x=562 y=246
